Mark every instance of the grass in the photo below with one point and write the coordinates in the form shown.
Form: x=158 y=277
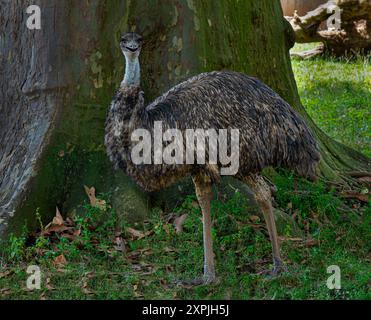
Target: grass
x=94 y=269
x=337 y=95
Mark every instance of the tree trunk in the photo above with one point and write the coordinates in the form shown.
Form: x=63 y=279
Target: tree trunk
x=57 y=82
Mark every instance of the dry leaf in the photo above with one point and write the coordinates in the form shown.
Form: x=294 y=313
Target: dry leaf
x=138 y=234
x=179 y=222
x=58 y=219
x=101 y=204
x=85 y=288
x=48 y=285
x=57 y=223
x=5 y=274
x=311 y=243
x=60 y=261
x=365 y=180
x=255 y=219
x=356 y=195
x=5 y=291
x=135 y=233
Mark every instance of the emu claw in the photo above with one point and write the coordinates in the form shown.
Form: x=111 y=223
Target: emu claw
x=278 y=269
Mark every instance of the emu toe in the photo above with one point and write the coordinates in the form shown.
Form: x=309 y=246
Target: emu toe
x=278 y=269
x=205 y=280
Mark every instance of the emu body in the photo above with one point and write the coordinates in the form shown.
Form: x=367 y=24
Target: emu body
x=271 y=134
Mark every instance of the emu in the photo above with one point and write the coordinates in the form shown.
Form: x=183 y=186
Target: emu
x=272 y=134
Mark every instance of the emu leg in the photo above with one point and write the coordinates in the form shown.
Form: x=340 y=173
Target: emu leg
x=204 y=194
x=263 y=196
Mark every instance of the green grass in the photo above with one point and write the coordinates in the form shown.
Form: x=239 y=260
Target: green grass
x=95 y=270
x=337 y=95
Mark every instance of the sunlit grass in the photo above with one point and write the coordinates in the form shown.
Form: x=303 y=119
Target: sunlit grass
x=337 y=95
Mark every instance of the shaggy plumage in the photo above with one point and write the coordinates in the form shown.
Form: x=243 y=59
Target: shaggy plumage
x=271 y=132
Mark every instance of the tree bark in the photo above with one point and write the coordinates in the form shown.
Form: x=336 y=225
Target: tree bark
x=57 y=83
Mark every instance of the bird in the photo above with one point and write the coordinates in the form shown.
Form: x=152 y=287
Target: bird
x=271 y=134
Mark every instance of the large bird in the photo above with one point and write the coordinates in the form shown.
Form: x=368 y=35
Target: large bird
x=271 y=133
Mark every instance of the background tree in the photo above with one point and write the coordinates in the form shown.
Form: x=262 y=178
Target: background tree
x=57 y=82
x=353 y=35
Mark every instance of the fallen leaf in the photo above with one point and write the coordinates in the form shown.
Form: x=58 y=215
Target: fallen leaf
x=60 y=270
x=58 y=225
x=57 y=222
x=164 y=284
x=311 y=243
x=58 y=219
x=72 y=236
x=54 y=229
x=98 y=203
x=60 y=261
x=5 y=291
x=355 y=195
x=48 y=285
x=138 y=234
x=169 y=268
x=167 y=249
x=365 y=180
x=5 y=274
x=179 y=221
x=85 y=288
x=255 y=219
x=134 y=255
x=143 y=269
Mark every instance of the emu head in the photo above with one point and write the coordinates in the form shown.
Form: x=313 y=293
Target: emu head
x=131 y=45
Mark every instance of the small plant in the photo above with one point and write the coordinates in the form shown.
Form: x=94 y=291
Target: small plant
x=16 y=247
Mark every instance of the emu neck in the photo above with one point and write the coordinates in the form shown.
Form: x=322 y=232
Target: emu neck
x=132 y=72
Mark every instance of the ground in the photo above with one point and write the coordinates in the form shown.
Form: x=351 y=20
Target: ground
x=86 y=257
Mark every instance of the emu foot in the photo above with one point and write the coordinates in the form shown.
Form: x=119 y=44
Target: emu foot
x=205 y=280
x=278 y=269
